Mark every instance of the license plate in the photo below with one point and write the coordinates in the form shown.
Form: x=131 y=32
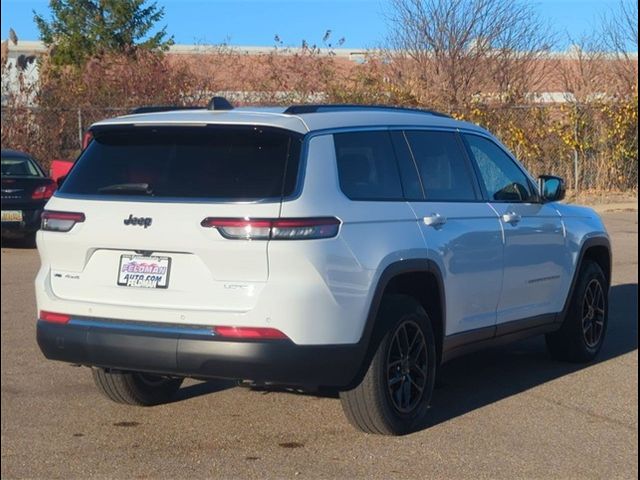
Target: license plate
x=144 y=272
x=11 y=215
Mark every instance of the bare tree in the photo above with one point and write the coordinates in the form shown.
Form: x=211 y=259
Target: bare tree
x=620 y=37
x=462 y=47
x=518 y=60
x=583 y=70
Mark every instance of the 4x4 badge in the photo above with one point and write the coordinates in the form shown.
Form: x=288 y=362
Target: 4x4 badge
x=142 y=221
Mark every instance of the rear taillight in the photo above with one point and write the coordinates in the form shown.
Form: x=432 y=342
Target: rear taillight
x=237 y=228
x=274 y=229
x=60 y=221
x=249 y=333
x=53 y=317
x=44 y=192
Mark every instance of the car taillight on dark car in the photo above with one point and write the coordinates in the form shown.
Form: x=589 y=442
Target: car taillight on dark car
x=86 y=139
x=44 y=192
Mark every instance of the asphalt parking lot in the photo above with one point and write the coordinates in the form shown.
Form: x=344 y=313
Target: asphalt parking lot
x=510 y=412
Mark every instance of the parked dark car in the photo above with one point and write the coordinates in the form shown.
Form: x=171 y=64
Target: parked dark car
x=25 y=190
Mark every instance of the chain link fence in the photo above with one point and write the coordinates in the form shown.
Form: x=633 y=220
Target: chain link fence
x=50 y=134
x=594 y=147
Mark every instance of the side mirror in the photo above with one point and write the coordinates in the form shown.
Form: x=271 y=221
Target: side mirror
x=61 y=180
x=552 y=189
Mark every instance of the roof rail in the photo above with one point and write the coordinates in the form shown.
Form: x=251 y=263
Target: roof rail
x=216 y=103
x=346 y=107
x=162 y=108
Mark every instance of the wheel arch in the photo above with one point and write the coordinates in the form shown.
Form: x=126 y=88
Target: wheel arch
x=420 y=279
x=597 y=249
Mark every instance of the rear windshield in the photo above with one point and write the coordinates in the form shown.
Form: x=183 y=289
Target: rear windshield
x=14 y=166
x=208 y=162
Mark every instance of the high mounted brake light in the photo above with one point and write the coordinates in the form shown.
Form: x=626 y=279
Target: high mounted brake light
x=274 y=229
x=60 y=221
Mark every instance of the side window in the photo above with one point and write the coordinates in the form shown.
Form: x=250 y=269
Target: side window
x=503 y=180
x=367 y=166
x=444 y=170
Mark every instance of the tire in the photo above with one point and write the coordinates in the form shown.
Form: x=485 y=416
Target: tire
x=583 y=331
x=380 y=404
x=13 y=240
x=133 y=388
x=30 y=240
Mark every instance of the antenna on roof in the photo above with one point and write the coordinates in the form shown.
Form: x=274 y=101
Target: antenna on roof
x=219 y=103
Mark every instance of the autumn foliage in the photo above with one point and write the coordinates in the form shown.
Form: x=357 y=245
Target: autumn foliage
x=600 y=131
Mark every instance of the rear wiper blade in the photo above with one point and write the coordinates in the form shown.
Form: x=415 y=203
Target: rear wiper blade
x=132 y=188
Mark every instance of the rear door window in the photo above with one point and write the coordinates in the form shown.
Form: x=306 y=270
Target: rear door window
x=208 y=162
x=367 y=166
x=443 y=167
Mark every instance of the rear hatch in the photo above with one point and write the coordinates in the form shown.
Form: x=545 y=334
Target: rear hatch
x=143 y=194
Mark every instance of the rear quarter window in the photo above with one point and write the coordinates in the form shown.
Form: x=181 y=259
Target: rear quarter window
x=208 y=162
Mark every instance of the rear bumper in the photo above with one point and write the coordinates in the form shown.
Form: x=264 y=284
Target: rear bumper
x=176 y=350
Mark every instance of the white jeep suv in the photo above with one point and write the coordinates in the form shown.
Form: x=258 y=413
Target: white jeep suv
x=348 y=247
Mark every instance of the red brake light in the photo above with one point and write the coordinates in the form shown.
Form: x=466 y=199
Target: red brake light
x=53 y=317
x=86 y=139
x=44 y=192
x=60 y=221
x=254 y=333
x=274 y=229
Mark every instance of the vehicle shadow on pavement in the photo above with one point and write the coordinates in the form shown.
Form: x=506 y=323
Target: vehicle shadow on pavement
x=19 y=243
x=474 y=381
x=202 y=388
x=468 y=383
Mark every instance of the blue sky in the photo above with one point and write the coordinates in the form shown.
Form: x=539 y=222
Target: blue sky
x=255 y=22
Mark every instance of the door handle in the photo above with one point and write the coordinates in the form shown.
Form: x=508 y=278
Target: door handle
x=511 y=217
x=434 y=220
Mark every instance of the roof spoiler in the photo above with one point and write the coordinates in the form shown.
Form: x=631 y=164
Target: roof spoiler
x=216 y=103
